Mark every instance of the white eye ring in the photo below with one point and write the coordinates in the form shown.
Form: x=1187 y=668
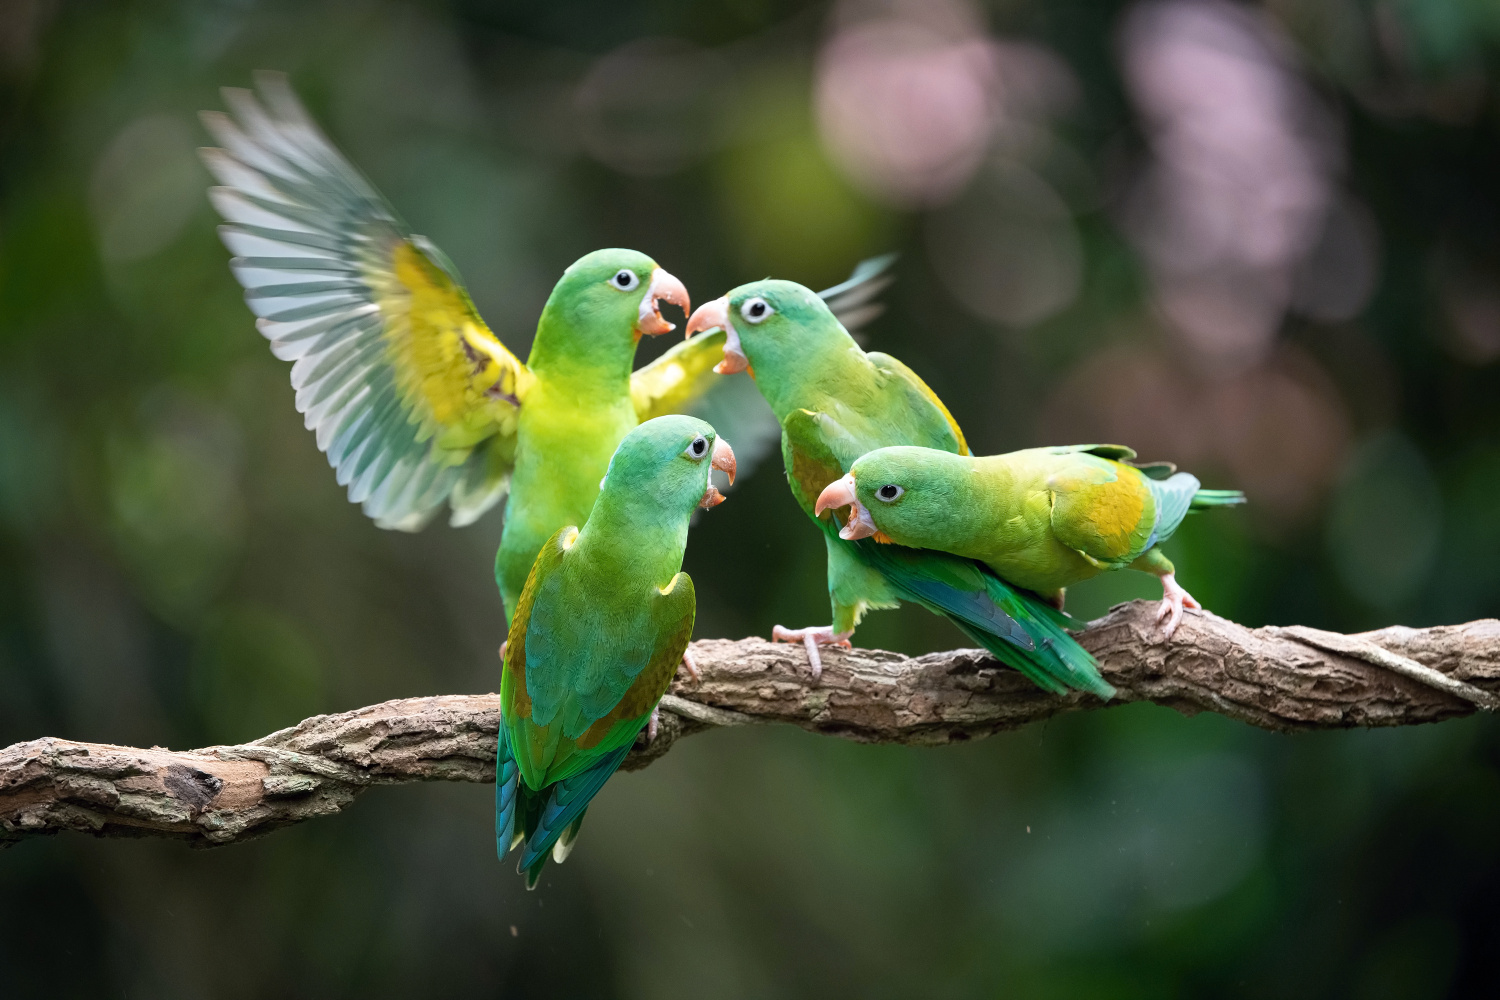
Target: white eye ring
x=698 y=448
x=756 y=310
x=625 y=279
x=889 y=493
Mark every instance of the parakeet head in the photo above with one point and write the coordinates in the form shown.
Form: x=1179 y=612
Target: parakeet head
x=666 y=462
x=613 y=297
x=772 y=327
x=912 y=496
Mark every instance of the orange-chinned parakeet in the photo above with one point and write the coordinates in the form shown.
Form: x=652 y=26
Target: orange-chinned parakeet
x=835 y=402
x=1043 y=519
x=415 y=401
x=601 y=625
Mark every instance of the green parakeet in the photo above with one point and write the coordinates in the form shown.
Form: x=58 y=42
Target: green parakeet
x=603 y=621
x=835 y=402
x=414 y=399
x=1043 y=519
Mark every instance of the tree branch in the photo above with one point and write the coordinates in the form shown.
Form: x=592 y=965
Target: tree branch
x=1285 y=679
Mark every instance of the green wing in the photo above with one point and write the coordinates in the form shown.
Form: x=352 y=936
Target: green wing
x=411 y=396
x=595 y=664
x=920 y=401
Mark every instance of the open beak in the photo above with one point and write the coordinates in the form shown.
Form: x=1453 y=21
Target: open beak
x=723 y=460
x=715 y=316
x=664 y=287
x=841 y=494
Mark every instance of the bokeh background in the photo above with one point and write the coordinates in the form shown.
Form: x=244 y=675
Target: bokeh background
x=1259 y=240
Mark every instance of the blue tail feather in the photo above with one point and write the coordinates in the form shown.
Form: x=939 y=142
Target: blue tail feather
x=507 y=794
x=565 y=802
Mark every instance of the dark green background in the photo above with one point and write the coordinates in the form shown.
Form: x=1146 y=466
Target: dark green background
x=177 y=566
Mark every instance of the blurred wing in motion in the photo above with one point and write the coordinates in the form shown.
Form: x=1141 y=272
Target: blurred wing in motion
x=683 y=381
x=679 y=378
x=853 y=302
x=410 y=395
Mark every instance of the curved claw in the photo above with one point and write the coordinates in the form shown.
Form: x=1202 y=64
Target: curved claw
x=1173 y=599
x=691 y=666
x=811 y=639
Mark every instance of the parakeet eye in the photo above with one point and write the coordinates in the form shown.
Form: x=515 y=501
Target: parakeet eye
x=698 y=448
x=890 y=493
x=625 y=279
x=756 y=310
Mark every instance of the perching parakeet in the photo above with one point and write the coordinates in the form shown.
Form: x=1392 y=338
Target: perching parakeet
x=1043 y=519
x=601 y=625
x=835 y=402
x=413 y=398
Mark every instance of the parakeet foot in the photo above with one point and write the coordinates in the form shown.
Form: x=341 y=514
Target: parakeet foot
x=1173 y=600
x=653 y=726
x=812 y=638
x=502 y=650
x=691 y=666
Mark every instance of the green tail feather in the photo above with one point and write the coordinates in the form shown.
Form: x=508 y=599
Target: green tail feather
x=1204 y=499
x=1019 y=629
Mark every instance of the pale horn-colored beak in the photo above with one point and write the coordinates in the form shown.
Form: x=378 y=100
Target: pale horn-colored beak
x=840 y=493
x=723 y=459
x=715 y=316
x=664 y=287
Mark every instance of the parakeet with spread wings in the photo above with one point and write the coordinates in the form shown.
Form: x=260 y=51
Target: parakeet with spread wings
x=415 y=401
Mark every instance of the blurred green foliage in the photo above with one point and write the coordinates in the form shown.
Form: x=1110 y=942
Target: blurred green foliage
x=177 y=566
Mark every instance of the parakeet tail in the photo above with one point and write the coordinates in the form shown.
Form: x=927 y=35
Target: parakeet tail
x=508 y=795
x=565 y=802
x=1204 y=499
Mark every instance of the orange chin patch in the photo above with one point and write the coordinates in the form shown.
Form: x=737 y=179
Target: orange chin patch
x=883 y=538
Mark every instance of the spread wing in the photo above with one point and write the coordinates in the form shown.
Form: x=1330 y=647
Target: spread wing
x=854 y=302
x=411 y=396
x=679 y=378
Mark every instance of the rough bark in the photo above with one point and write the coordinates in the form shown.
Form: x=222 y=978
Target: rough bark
x=1285 y=679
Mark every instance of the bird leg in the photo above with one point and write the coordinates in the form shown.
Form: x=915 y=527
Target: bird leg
x=1173 y=600
x=653 y=725
x=812 y=638
x=691 y=666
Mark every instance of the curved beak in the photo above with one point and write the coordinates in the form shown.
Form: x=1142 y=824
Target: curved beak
x=715 y=316
x=664 y=287
x=723 y=459
x=841 y=494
